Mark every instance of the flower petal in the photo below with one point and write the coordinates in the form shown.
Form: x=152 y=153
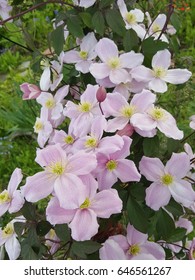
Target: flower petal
x=162 y=59
x=99 y=70
x=13 y=247
x=106 y=49
x=178 y=165
x=134 y=236
x=177 y=76
x=151 y=168
x=15 y=180
x=111 y=250
x=158 y=85
x=126 y=171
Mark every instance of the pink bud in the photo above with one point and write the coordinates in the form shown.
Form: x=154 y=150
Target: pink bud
x=30 y=91
x=127 y=130
x=101 y=94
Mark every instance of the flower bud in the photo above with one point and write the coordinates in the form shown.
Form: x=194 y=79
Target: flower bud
x=127 y=130
x=30 y=91
x=101 y=94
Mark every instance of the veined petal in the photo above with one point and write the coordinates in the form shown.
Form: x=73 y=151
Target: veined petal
x=162 y=59
x=106 y=179
x=71 y=57
x=154 y=249
x=143 y=122
x=134 y=236
x=177 y=76
x=13 y=247
x=58 y=215
x=158 y=85
x=99 y=70
x=117 y=123
x=82 y=218
x=82 y=163
x=178 y=165
x=111 y=250
x=126 y=171
x=106 y=49
x=106 y=203
x=118 y=76
x=157 y=196
x=38 y=186
x=142 y=101
x=16 y=202
x=131 y=59
x=151 y=168
x=15 y=180
x=142 y=74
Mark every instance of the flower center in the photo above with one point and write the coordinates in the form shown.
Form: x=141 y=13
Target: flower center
x=111 y=165
x=134 y=250
x=69 y=140
x=114 y=63
x=8 y=230
x=130 y=18
x=85 y=204
x=85 y=107
x=50 y=103
x=83 y=54
x=38 y=126
x=128 y=111
x=91 y=142
x=157 y=114
x=167 y=179
x=159 y=72
x=156 y=28
x=4 y=197
x=56 y=168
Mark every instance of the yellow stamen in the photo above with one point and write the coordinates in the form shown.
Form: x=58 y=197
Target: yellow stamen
x=156 y=28
x=38 y=126
x=85 y=204
x=56 y=168
x=130 y=18
x=134 y=250
x=159 y=72
x=50 y=103
x=91 y=142
x=111 y=165
x=83 y=55
x=167 y=179
x=85 y=107
x=69 y=139
x=114 y=63
x=128 y=111
x=4 y=197
x=8 y=230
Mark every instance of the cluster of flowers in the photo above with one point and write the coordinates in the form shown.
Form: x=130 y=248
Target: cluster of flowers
x=81 y=165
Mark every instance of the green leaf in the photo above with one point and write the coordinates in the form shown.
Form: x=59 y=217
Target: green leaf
x=83 y=248
x=57 y=39
x=98 y=23
x=175 y=208
x=176 y=21
x=74 y=26
x=28 y=211
x=151 y=146
x=63 y=232
x=105 y=3
x=115 y=21
x=177 y=235
x=136 y=215
x=19 y=227
x=173 y=145
x=32 y=237
x=130 y=40
x=137 y=190
x=27 y=252
x=87 y=19
x=43 y=228
x=165 y=225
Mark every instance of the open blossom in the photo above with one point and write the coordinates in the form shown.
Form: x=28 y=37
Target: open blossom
x=43 y=127
x=132 y=18
x=60 y=175
x=114 y=66
x=86 y=207
x=135 y=246
x=159 y=75
x=167 y=181
x=84 y=3
x=53 y=103
x=11 y=199
x=30 y=91
x=192 y=122
x=83 y=114
x=83 y=58
x=114 y=166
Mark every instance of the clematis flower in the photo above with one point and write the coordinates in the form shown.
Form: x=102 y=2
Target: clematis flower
x=167 y=181
x=60 y=175
x=134 y=246
x=11 y=200
x=112 y=166
x=30 y=91
x=86 y=207
x=8 y=238
x=192 y=122
x=54 y=103
x=84 y=3
x=43 y=127
x=132 y=18
x=159 y=75
x=114 y=66
x=190 y=153
x=82 y=114
x=84 y=57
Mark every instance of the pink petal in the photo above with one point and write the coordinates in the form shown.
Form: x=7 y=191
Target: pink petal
x=134 y=236
x=106 y=179
x=142 y=101
x=177 y=76
x=83 y=66
x=82 y=163
x=125 y=151
x=141 y=32
x=162 y=59
x=115 y=101
x=126 y=171
x=98 y=126
x=110 y=144
x=89 y=95
x=121 y=240
x=143 y=122
x=157 y=196
x=3 y=208
x=182 y=192
x=83 y=218
x=99 y=70
x=169 y=127
x=118 y=76
x=61 y=93
x=58 y=215
x=38 y=186
x=142 y=74
x=91 y=185
x=15 y=180
x=106 y=203
x=16 y=202
x=154 y=249
x=131 y=59
x=117 y=123
x=178 y=165
x=158 y=85
x=106 y=49
x=13 y=247
x=111 y=250
x=71 y=57
x=151 y=168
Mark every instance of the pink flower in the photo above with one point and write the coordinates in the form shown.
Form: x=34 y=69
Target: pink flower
x=84 y=3
x=112 y=166
x=86 y=207
x=11 y=199
x=160 y=74
x=30 y=91
x=60 y=175
x=101 y=94
x=167 y=181
x=114 y=65
x=52 y=241
x=134 y=246
x=84 y=57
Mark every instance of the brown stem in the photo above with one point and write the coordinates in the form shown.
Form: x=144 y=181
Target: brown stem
x=169 y=13
x=36 y=7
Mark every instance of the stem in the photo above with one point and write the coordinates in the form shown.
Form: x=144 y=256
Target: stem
x=18 y=44
x=170 y=12
x=36 y=7
x=101 y=108
x=187 y=137
x=182 y=247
